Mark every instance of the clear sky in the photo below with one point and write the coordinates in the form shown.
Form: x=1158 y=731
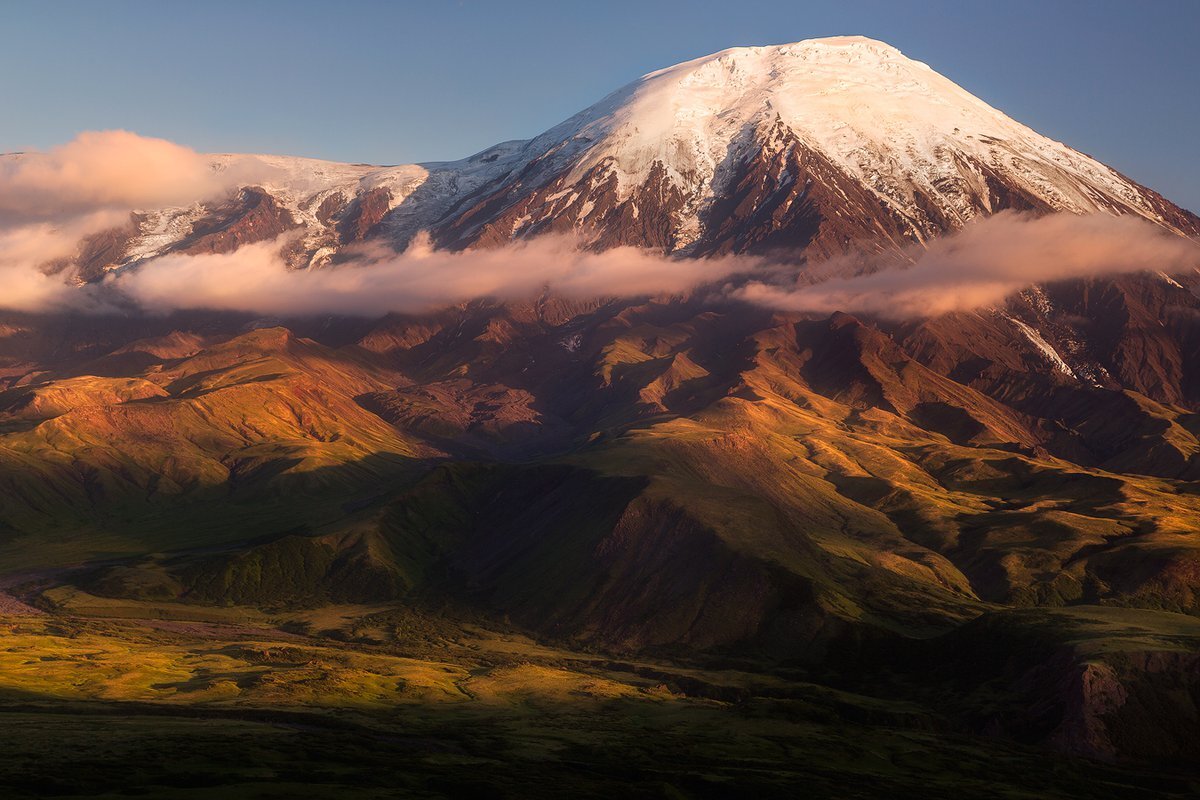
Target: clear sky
x=439 y=79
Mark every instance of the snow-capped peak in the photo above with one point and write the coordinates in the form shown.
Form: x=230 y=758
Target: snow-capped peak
x=817 y=146
x=907 y=133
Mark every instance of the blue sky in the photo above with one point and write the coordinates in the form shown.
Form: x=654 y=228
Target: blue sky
x=439 y=79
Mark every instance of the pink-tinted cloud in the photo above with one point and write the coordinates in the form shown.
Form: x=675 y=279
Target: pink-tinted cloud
x=255 y=279
x=111 y=169
x=26 y=249
x=51 y=201
x=986 y=262
x=42 y=241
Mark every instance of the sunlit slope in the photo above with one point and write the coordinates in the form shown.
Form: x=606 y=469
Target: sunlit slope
x=660 y=492
x=244 y=435
x=773 y=520
x=369 y=702
x=671 y=473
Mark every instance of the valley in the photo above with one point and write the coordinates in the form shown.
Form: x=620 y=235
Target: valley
x=379 y=700
x=400 y=542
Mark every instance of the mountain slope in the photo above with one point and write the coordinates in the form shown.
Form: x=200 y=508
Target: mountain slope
x=817 y=124
x=814 y=149
x=1010 y=493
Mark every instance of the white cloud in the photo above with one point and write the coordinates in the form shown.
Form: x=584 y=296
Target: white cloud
x=988 y=261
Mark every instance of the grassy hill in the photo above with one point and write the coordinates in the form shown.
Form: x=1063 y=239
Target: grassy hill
x=648 y=523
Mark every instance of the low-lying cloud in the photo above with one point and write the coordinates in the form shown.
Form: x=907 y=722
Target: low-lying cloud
x=50 y=202
x=112 y=169
x=988 y=261
x=977 y=267
x=379 y=280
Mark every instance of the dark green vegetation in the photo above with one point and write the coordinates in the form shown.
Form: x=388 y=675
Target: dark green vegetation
x=388 y=703
x=675 y=548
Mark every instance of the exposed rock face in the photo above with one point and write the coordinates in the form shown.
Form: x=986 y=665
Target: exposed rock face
x=254 y=216
x=102 y=251
x=329 y=207
x=591 y=205
x=361 y=217
x=788 y=199
x=1075 y=683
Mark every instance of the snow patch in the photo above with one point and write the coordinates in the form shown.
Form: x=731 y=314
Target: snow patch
x=1171 y=280
x=1043 y=347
